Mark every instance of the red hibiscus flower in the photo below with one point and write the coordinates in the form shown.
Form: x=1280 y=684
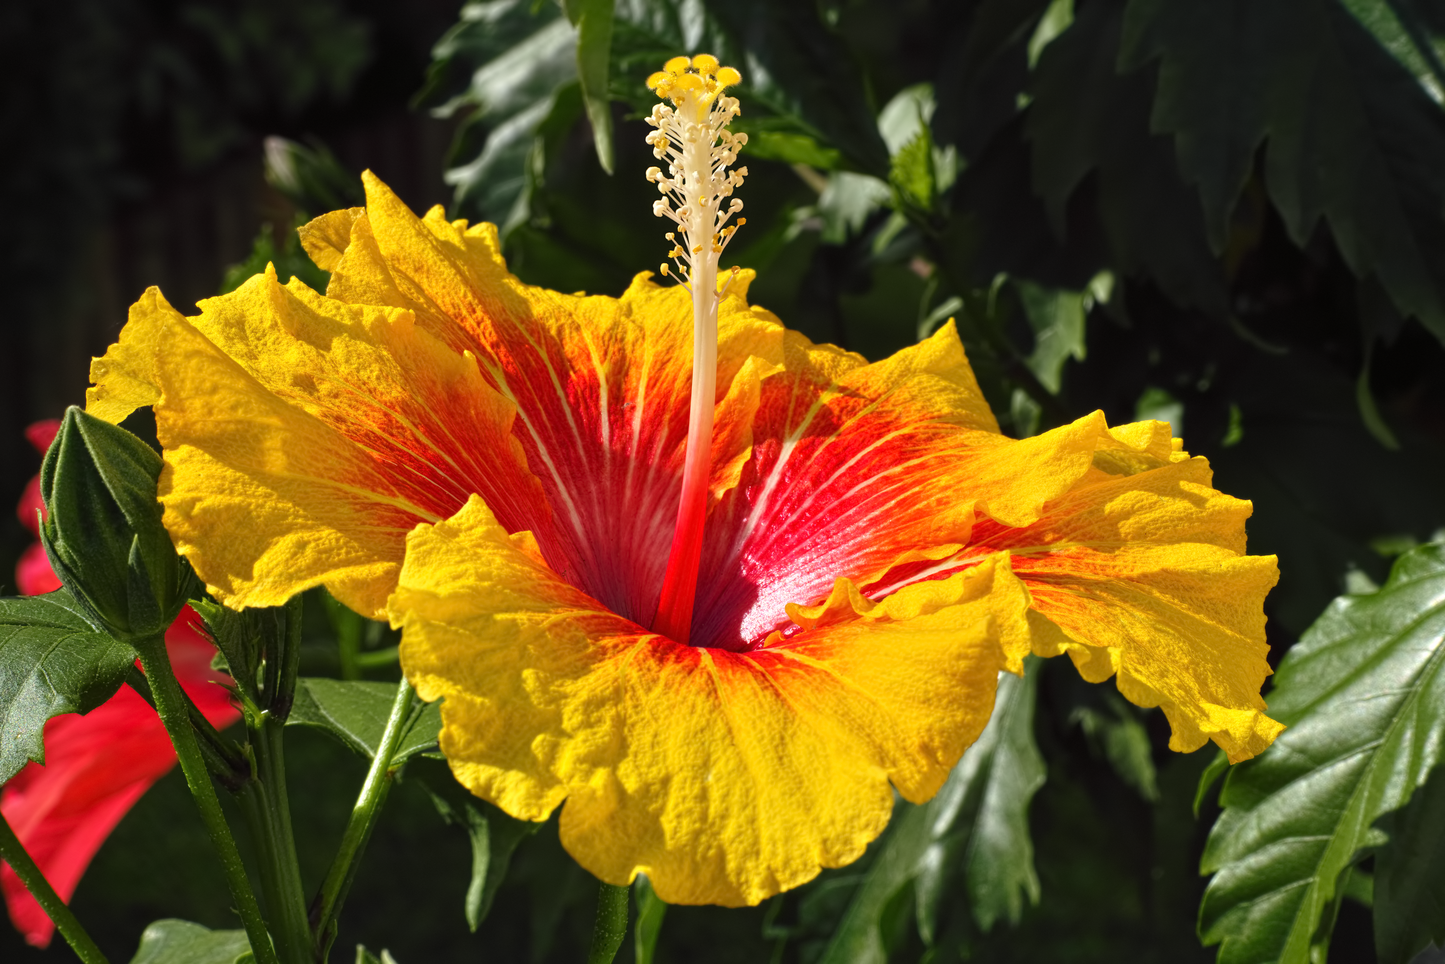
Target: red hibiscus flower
x=98 y=765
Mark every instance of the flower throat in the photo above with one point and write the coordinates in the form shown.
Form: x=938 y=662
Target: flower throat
x=692 y=137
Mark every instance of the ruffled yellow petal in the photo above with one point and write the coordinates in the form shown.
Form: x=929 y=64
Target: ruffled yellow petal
x=304 y=437
x=726 y=777
x=326 y=238
x=1139 y=571
x=124 y=379
x=264 y=499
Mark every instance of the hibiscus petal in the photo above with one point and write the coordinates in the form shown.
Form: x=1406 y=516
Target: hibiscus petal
x=319 y=433
x=1139 y=570
x=33 y=575
x=726 y=777
x=601 y=385
x=859 y=469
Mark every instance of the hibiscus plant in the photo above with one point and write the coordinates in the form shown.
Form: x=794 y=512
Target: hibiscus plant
x=667 y=604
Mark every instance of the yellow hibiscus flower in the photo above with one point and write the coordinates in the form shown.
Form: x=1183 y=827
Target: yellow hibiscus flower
x=505 y=473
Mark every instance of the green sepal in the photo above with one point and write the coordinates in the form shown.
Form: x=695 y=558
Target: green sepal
x=102 y=529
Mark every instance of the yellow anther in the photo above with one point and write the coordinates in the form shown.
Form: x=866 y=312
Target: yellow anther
x=677 y=65
x=705 y=63
x=664 y=269
x=742 y=221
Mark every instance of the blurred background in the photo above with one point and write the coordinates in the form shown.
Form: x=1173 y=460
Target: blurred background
x=1232 y=221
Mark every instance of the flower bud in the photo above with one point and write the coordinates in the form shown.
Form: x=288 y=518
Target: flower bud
x=102 y=529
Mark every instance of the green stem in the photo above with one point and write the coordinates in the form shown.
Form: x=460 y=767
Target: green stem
x=226 y=761
x=13 y=852
x=610 y=927
x=171 y=705
x=268 y=813
x=327 y=906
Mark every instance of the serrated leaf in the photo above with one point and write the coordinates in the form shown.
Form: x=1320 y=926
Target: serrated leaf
x=983 y=68
x=1309 y=81
x=1087 y=119
x=501 y=66
x=52 y=661
x=182 y=942
x=847 y=202
x=1410 y=876
x=356 y=713
x=593 y=20
x=1362 y=692
x=977 y=825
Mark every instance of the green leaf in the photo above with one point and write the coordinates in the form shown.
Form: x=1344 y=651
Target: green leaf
x=1362 y=693
x=983 y=69
x=767 y=142
x=1307 y=80
x=650 y=912
x=1410 y=876
x=796 y=71
x=593 y=20
x=847 y=202
x=181 y=942
x=311 y=178
x=52 y=661
x=977 y=824
x=356 y=713
x=1086 y=118
x=494 y=837
x=363 y=956
x=500 y=67
x=1057 y=319
x=1119 y=735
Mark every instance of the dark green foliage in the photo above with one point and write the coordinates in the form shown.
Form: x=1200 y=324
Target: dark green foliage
x=52 y=661
x=356 y=713
x=1362 y=693
x=181 y=942
x=974 y=833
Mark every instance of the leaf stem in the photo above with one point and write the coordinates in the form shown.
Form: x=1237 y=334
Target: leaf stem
x=14 y=853
x=327 y=905
x=610 y=927
x=171 y=705
x=264 y=798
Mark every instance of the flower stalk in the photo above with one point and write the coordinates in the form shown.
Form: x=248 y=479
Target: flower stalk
x=13 y=852
x=171 y=706
x=327 y=905
x=610 y=927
